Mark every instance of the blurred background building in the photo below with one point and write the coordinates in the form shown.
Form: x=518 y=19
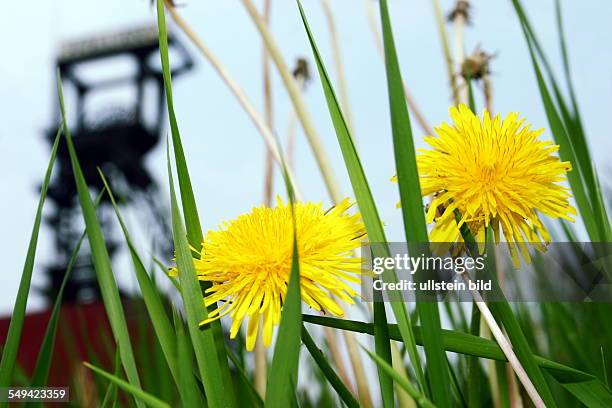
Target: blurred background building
x=112 y=136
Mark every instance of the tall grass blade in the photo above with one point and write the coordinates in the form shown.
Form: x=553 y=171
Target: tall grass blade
x=190 y=210
x=474 y=381
x=251 y=395
x=45 y=354
x=186 y=382
x=136 y=392
x=402 y=381
x=382 y=345
x=328 y=371
x=110 y=396
x=585 y=387
x=218 y=392
x=11 y=345
x=415 y=227
x=283 y=373
x=568 y=132
x=101 y=260
x=503 y=313
x=365 y=201
x=281 y=389
x=192 y=219
x=153 y=301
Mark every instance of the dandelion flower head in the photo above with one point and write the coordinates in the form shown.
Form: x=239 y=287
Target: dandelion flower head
x=248 y=261
x=492 y=172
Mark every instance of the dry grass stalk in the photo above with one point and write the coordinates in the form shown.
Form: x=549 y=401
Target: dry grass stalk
x=256 y=118
x=505 y=345
x=298 y=102
x=418 y=116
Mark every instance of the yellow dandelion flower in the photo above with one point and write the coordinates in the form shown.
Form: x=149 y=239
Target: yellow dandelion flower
x=494 y=172
x=248 y=260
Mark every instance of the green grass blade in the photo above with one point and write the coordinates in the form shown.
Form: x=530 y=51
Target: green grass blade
x=569 y=134
x=281 y=389
x=382 y=345
x=187 y=385
x=45 y=354
x=328 y=371
x=403 y=143
x=164 y=332
x=566 y=64
x=456 y=342
x=474 y=372
x=591 y=393
x=283 y=373
x=190 y=210
x=110 y=396
x=365 y=200
x=585 y=387
x=503 y=313
x=252 y=395
x=415 y=227
x=101 y=260
x=192 y=219
x=566 y=152
x=136 y=392
x=402 y=381
x=153 y=301
x=11 y=345
x=218 y=392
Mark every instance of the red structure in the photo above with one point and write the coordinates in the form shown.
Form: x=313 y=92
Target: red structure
x=83 y=334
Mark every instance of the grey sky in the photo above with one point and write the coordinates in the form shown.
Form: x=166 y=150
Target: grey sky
x=224 y=150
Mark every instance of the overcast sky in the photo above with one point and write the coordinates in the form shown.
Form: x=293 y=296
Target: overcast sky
x=223 y=149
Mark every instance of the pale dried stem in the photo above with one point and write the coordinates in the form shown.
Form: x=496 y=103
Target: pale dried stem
x=336 y=356
x=514 y=394
x=492 y=377
x=261 y=361
x=268 y=111
x=459 y=23
x=487 y=89
x=404 y=400
x=330 y=335
x=239 y=94
x=513 y=390
x=505 y=345
x=412 y=105
x=298 y=102
x=290 y=140
x=339 y=67
x=353 y=349
x=352 y=346
x=448 y=59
